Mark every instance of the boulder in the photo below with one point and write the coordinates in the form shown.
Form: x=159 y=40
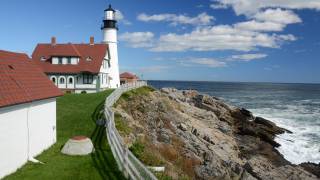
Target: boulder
x=183 y=127
x=78 y=145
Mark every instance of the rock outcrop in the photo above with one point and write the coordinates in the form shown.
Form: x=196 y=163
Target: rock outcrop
x=200 y=137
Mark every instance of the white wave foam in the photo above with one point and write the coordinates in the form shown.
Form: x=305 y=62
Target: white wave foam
x=300 y=146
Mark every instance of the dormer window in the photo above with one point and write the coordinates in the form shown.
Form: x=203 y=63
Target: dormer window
x=89 y=58
x=60 y=60
x=43 y=58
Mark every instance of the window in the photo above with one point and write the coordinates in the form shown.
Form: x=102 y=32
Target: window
x=69 y=60
x=60 y=60
x=87 y=79
x=43 y=58
x=53 y=79
x=62 y=80
x=70 y=80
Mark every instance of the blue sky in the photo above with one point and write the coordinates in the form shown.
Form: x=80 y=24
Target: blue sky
x=205 y=40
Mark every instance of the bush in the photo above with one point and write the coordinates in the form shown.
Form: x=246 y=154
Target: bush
x=121 y=125
x=137 y=148
x=145 y=90
x=83 y=92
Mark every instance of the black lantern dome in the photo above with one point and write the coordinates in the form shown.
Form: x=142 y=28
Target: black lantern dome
x=109 y=18
x=110 y=9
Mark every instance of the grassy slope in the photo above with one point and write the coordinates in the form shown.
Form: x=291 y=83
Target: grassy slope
x=76 y=115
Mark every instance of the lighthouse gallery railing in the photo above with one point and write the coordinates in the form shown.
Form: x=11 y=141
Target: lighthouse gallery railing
x=131 y=167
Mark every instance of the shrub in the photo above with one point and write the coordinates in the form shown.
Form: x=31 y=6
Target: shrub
x=121 y=125
x=137 y=148
x=83 y=92
x=140 y=91
x=162 y=176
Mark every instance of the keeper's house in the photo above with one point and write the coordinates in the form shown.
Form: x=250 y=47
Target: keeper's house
x=83 y=67
x=27 y=111
x=75 y=67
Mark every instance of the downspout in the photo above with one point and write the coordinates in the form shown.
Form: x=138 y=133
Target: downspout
x=28 y=128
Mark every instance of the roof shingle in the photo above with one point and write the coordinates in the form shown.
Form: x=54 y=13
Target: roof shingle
x=96 y=52
x=23 y=81
x=127 y=75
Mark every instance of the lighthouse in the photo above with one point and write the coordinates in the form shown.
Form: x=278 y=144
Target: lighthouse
x=109 y=30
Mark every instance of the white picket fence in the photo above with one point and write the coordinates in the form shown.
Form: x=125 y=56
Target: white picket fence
x=131 y=167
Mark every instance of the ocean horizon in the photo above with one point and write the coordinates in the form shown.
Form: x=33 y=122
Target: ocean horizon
x=258 y=82
x=294 y=106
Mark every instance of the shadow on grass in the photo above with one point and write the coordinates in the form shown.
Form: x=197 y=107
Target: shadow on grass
x=102 y=158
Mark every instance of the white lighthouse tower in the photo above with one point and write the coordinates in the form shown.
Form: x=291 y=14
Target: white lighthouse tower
x=109 y=29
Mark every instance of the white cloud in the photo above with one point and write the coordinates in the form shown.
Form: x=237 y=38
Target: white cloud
x=262 y=30
x=254 y=25
x=208 y=62
x=200 y=62
x=174 y=19
x=250 y=7
x=278 y=16
x=270 y=20
x=248 y=57
x=219 y=6
x=287 y=37
x=137 y=39
x=222 y=37
x=120 y=17
x=154 y=69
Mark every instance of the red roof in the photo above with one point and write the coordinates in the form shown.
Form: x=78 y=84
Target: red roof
x=23 y=81
x=128 y=75
x=95 y=52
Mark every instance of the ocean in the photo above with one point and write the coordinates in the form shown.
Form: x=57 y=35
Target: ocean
x=295 y=107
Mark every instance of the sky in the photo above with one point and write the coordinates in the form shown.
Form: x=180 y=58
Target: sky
x=193 y=40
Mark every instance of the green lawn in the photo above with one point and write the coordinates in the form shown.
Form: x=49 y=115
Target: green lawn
x=76 y=115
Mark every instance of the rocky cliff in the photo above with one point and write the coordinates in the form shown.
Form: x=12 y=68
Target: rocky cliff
x=198 y=136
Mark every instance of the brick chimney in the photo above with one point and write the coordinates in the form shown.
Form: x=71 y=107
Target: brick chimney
x=53 y=41
x=91 y=40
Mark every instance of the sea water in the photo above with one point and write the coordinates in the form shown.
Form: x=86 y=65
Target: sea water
x=295 y=107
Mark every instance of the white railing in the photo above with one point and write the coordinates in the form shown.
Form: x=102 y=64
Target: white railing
x=131 y=167
x=85 y=86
